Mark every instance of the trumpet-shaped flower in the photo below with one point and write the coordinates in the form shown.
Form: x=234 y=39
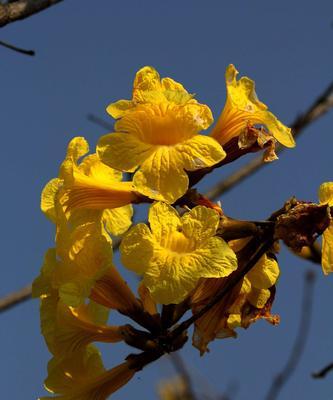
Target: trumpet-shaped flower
x=326 y=197
x=81 y=257
x=175 y=252
x=157 y=137
x=243 y=109
x=89 y=186
x=83 y=377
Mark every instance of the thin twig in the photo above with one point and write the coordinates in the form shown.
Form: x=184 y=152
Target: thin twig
x=298 y=349
x=320 y=107
x=323 y=372
x=180 y=366
x=100 y=121
x=17 y=49
x=14 y=298
x=22 y=9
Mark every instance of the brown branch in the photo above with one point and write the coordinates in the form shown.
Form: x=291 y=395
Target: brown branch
x=320 y=107
x=100 y=122
x=22 y=9
x=15 y=298
x=303 y=332
x=323 y=372
x=17 y=49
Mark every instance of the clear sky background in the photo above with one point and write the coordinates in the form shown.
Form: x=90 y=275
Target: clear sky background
x=87 y=56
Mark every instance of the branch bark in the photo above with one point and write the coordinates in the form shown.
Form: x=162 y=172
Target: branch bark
x=22 y=9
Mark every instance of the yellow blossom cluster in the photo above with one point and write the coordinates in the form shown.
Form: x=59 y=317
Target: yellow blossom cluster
x=183 y=253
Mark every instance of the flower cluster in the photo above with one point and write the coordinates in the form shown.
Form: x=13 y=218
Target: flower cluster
x=189 y=254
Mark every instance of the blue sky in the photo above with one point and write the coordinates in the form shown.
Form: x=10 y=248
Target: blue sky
x=87 y=55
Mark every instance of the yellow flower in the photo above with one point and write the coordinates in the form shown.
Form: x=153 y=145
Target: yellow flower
x=83 y=377
x=243 y=109
x=326 y=197
x=249 y=301
x=175 y=252
x=157 y=136
x=89 y=186
x=82 y=256
x=68 y=329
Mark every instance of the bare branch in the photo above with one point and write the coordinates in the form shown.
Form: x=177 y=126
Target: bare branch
x=17 y=49
x=100 y=122
x=15 y=298
x=323 y=372
x=303 y=332
x=320 y=107
x=22 y=9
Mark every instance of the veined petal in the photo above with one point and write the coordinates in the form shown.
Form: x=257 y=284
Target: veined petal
x=265 y=273
x=113 y=292
x=96 y=197
x=161 y=177
x=163 y=220
x=200 y=223
x=327 y=251
x=48 y=198
x=76 y=149
x=148 y=303
x=66 y=374
x=89 y=257
x=123 y=151
x=43 y=285
x=199 y=152
x=325 y=193
x=259 y=297
x=170 y=277
x=118 y=220
x=78 y=327
x=137 y=248
x=216 y=259
x=120 y=108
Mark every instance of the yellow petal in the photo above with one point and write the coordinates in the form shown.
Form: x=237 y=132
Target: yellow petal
x=136 y=248
x=327 y=251
x=170 y=278
x=120 y=108
x=200 y=152
x=113 y=292
x=259 y=297
x=163 y=220
x=216 y=259
x=200 y=223
x=48 y=198
x=78 y=327
x=265 y=273
x=326 y=193
x=118 y=220
x=123 y=151
x=161 y=177
x=43 y=284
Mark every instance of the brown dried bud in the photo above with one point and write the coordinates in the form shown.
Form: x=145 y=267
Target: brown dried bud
x=302 y=224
